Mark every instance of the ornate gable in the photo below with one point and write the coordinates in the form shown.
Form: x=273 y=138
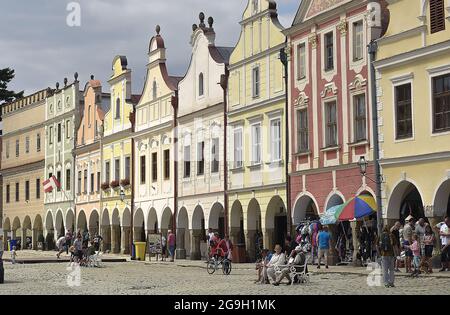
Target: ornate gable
x=320 y=6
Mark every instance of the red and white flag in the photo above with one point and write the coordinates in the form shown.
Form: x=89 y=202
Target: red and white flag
x=50 y=184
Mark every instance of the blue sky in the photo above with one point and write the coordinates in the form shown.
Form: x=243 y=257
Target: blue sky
x=36 y=41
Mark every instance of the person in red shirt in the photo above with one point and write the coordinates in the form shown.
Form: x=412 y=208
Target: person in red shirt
x=171 y=243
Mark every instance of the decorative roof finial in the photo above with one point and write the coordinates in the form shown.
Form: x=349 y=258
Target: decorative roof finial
x=92 y=77
x=57 y=85
x=194 y=27
x=65 y=81
x=202 y=19
x=76 y=76
x=210 y=22
x=158 y=29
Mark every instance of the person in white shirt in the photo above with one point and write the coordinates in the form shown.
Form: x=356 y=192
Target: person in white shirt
x=278 y=259
x=444 y=234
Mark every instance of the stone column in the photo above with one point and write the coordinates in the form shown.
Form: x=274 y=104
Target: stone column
x=180 y=252
x=125 y=240
x=355 y=235
x=137 y=234
x=24 y=238
x=114 y=241
x=5 y=240
x=13 y=234
x=250 y=243
x=34 y=238
x=195 y=245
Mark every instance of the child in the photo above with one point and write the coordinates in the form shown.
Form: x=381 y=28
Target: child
x=428 y=241
x=13 y=255
x=261 y=267
x=415 y=248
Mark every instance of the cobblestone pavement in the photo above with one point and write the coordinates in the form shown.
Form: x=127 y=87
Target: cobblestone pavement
x=186 y=277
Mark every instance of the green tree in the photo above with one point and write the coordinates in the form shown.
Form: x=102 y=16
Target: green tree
x=6 y=96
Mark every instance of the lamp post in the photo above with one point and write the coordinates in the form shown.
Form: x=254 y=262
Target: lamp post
x=122 y=194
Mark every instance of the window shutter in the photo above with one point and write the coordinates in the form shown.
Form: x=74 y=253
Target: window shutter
x=437 y=16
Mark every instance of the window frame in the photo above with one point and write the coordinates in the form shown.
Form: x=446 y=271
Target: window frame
x=358 y=55
x=327 y=36
x=256 y=81
x=201 y=158
x=301 y=131
x=359 y=119
x=276 y=144
x=446 y=95
x=143 y=169
x=328 y=124
x=238 y=151
x=256 y=143
x=301 y=61
x=411 y=103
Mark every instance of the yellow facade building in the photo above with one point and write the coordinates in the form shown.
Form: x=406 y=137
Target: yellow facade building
x=116 y=146
x=256 y=137
x=413 y=87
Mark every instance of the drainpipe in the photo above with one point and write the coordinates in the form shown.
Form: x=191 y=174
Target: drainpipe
x=373 y=47
x=224 y=85
x=174 y=102
x=133 y=119
x=285 y=61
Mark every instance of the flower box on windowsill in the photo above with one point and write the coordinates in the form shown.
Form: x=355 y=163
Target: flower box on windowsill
x=105 y=187
x=125 y=183
x=115 y=184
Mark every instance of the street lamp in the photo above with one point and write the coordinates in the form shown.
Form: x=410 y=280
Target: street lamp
x=363 y=164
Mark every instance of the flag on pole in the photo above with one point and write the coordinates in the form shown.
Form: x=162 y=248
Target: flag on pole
x=50 y=184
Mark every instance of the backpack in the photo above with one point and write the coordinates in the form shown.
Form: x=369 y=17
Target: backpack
x=386 y=244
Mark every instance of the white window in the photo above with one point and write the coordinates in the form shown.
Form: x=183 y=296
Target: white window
x=215 y=155
x=358 y=41
x=201 y=85
x=331 y=124
x=238 y=148
x=256 y=82
x=275 y=139
x=187 y=161
x=256 y=144
x=359 y=105
x=301 y=61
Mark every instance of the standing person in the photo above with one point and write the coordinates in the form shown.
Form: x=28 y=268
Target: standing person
x=415 y=248
x=61 y=245
x=69 y=238
x=97 y=242
x=428 y=240
x=78 y=247
x=385 y=245
x=323 y=242
x=278 y=259
x=444 y=234
x=395 y=230
x=172 y=243
x=163 y=248
x=13 y=255
x=407 y=241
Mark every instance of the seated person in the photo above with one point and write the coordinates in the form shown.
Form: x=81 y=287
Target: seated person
x=278 y=259
x=297 y=259
x=261 y=266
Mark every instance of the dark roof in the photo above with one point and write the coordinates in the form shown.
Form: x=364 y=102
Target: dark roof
x=221 y=54
x=175 y=80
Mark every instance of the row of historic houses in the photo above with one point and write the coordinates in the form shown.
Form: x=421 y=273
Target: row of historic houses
x=252 y=141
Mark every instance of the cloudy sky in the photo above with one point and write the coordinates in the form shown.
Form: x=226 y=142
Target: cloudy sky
x=36 y=41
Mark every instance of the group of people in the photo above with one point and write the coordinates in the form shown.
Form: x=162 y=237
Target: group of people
x=167 y=245
x=80 y=246
x=417 y=240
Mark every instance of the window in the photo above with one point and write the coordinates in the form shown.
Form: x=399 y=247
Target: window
x=187 y=161
x=96 y=128
x=331 y=124
x=155 y=91
x=17 y=192
x=82 y=135
x=302 y=131
x=275 y=139
x=256 y=82
x=59 y=132
x=301 y=61
x=255 y=6
x=7 y=149
x=85 y=181
x=403 y=111
x=68 y=129
x=27 y=145
x=17 y=148
x=358 y=41
x=329 y=51
x=154 y=167
x=437 y=16
x=201 y=87
x=238 y=158
x=166 y=164
x=79 y=182
x=359 y=107
x=441 y=103
x=256 y=144
x=98 y=181
x=201 y=158
x=50 y=135
x=117 y=169
x=118 y=108
x=58 y=178
x=38 y=188
x=8 y=191
x=143 y=171
x=27 y=190
x=68 y=180
x=38 y=142
x=215 y=155
x=92 y=182
x=89 y=116
x=107 y=172
x=127 y=167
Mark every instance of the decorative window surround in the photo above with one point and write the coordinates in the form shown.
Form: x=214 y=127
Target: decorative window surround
x=330 y=87
x=302 y=100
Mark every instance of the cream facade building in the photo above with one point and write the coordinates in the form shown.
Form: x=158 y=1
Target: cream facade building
x=23 y=158
x=201 y=130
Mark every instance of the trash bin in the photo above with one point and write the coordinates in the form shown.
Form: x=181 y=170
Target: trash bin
x=139 y=248
x=12 y=244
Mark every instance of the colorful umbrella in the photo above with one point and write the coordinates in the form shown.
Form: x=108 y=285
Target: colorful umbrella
x=356 y=208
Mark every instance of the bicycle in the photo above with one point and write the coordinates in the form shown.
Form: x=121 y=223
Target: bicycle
x=215 y=261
